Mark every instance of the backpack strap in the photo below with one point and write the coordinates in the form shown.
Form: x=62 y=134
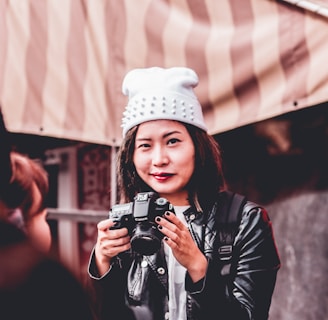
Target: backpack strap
x=230 y=208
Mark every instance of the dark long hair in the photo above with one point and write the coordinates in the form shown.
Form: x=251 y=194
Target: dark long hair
x=205 y=183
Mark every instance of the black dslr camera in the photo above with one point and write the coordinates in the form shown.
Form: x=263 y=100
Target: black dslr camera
x=139 y=218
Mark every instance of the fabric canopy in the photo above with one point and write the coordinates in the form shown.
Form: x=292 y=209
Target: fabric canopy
x=62 y=62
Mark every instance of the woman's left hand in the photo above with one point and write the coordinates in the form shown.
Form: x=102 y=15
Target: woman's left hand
x=184 y=249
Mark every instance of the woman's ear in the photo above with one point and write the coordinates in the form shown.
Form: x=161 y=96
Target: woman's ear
x=15 y=217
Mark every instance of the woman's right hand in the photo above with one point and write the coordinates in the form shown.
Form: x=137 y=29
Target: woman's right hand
x=110 y=242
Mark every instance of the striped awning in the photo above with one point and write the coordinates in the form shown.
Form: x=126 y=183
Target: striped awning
x=62 y=62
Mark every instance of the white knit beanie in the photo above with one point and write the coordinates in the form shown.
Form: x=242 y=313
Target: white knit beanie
x=156 y=93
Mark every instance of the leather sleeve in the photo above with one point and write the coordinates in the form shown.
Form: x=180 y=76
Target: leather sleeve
x=107 y=293
x=254 y=270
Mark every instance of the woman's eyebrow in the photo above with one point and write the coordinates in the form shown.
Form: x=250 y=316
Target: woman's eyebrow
x=143 y=139
x=172 y=132
x=164 y=136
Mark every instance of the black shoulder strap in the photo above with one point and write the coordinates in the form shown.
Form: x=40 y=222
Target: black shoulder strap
x=230 y=207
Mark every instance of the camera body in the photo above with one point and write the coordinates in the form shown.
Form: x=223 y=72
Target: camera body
x=139 y=218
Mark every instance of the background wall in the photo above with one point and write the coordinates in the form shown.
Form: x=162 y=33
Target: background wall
x=300 y=224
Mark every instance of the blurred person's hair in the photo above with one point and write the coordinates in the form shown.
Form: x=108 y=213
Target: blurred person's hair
x=26 y=173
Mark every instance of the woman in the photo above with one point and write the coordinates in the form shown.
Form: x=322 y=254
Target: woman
x=167 y=150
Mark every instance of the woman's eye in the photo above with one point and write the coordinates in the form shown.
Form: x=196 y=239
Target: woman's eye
x=143 y=146
x=173 y=141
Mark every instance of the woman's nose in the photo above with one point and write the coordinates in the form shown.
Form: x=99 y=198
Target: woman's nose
x=160 y=157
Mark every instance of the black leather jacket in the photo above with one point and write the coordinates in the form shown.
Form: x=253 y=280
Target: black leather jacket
x=141 y=281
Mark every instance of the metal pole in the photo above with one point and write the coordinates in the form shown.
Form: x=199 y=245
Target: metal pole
x=113 y=193
x=68 y=238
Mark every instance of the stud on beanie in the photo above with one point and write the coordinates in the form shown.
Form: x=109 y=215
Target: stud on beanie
x=156 y=93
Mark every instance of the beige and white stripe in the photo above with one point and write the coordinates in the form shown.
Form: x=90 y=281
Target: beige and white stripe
x=62 y=62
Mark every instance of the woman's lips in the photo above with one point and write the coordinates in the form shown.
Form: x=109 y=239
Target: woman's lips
x=162 y=176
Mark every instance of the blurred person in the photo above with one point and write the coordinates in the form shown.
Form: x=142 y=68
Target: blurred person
x=33 y=285
x=26 y=198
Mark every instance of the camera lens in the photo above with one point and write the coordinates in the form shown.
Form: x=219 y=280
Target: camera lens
x=146 y=239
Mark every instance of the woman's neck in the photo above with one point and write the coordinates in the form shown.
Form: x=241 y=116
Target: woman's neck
x=177 y=199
